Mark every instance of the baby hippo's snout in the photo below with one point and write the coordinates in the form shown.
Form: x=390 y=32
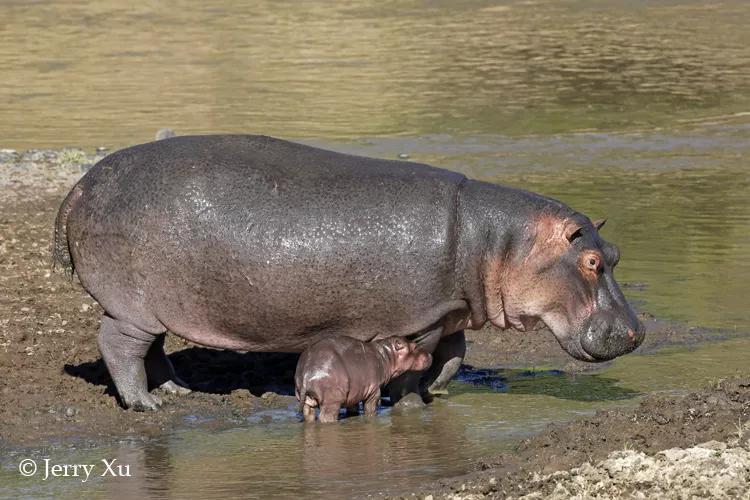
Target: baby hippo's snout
x=341 y=372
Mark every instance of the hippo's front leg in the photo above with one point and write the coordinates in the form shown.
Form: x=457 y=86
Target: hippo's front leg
x=371 y=403
x=404 y=384
x=446 y=361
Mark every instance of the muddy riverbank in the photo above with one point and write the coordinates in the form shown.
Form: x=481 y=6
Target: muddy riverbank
x=693 y=445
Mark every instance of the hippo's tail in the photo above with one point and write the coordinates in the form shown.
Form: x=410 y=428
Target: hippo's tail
x=61 y=249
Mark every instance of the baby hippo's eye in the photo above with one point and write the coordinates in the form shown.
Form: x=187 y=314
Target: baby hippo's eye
x=398 y=345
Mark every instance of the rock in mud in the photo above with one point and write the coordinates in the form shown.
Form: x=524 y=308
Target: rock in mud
x=164 y=133
x=409 y=402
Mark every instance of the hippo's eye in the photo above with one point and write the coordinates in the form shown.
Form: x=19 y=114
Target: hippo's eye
x=592 y=262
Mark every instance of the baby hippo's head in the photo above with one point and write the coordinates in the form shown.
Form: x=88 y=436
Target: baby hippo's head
x=407 y=356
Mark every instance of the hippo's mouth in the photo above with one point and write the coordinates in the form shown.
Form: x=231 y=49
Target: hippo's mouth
x=569 y=343
x=599 y=346
x=574 y=348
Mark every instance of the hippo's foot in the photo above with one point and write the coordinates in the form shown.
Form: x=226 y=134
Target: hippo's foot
x=123 y=348
x=173 y=387
x=446 y=361
x=148 y=402
x=160 y=371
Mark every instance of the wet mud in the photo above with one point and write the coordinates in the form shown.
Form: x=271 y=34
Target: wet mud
x=634 y=437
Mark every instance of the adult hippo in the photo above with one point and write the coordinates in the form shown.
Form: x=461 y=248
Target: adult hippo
x=257 y=244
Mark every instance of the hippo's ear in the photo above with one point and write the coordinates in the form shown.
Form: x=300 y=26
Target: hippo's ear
x=573 y=232
x=598 y=224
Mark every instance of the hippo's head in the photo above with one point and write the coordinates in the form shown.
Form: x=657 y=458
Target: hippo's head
x=406 y=356
x=562 y=274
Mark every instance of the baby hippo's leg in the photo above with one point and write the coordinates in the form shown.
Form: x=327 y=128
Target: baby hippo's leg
x=329 y=412
x=371 y=404
x=308 y=409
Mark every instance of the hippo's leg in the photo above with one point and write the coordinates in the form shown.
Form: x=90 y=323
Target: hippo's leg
x=352 y=411
x=160 y=371
x=404 y=384
x=329 y=412
x=446 y=360
x=371 y=404
x=308 y=412
x=123 y=348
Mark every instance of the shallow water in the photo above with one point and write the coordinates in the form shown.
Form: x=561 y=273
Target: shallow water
x=499 y=91
x=90 y=73
x=272 y=455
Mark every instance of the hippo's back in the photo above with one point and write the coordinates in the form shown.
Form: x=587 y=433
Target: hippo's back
x=251 y=242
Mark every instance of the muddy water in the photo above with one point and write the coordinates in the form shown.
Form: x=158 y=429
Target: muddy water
x=634 y=113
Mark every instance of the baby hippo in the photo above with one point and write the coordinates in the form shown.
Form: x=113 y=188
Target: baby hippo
x=343 y=371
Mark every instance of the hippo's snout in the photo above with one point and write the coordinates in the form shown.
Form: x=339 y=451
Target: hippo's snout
x=606 y=336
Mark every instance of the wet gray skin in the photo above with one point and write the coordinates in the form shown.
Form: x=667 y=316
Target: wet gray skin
x=341 y=372
x=258 y=244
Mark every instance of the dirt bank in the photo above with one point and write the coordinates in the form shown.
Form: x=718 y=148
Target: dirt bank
x=626 y=448
x=709 y=470
x=53 y=384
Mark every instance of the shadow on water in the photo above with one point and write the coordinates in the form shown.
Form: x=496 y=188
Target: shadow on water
x=213 y=371
x=556 y=383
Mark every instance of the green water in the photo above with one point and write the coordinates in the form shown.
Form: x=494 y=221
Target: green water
x=637 y=112
x=90 y=73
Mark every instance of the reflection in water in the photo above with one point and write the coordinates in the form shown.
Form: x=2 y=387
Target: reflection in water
x=354 y=457
x=89 y=72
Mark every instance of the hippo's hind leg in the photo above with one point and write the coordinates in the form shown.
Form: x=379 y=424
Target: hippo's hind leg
x=308 y=408
x=123 y=348
x=446 y=360
x=160 y=371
